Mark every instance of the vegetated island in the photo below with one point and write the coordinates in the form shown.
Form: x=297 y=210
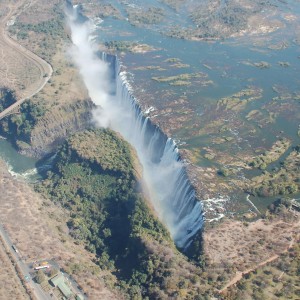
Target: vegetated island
x=143 y=262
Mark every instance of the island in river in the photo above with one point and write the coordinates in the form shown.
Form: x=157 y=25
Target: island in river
x=223 y=82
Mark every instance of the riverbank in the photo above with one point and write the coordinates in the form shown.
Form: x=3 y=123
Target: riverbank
x=217 y=144
x=38 y=230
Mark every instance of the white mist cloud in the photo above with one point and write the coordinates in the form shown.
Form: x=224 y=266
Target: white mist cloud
x=165 y=179
x=93 y=71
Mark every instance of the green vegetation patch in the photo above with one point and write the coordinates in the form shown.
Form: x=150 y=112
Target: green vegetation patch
x=272 y=155
x=7 y=98
x=176 y=63
x=144 y=68
x=51 y=28
x=173 y=60
x=128 y=46
x=239 y=100
x=262 y=65
x=42 y=37
x=108 y=10
x=94 y=179
x=18 y=126
x=283 y=181
x=153 y=15
x=103 y=148
x=120 y=45
x=181 y=79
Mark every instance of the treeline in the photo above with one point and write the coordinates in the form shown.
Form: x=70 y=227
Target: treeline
x=280 y=181
x=153 y=15
x=121 y=45
x=51 y=28
x=7 y=98
x=17 y=127
x=94 y=178
x=43 y=37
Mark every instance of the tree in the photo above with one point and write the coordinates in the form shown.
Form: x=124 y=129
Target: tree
x=53 y=272
x=224 y=172
x=40 y=277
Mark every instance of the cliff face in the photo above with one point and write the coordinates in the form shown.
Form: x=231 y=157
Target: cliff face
x=56 y=125
x=94 y=179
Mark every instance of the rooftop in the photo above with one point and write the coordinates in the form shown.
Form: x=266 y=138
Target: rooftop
x=59 y=281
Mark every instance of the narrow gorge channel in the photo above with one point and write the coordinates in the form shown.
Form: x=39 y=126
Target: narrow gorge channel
x=165 y=177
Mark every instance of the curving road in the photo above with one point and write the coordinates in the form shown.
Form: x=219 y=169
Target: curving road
x=45 y=68
x=36 y=288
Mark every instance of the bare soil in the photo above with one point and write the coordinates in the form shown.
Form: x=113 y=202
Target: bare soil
x=243 y=247
x=23 y=71
x=16 y=71
x=10 y=284
x=38 y=229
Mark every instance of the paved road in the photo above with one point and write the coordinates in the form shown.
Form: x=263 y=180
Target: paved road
x=45 y=69
x=37 y=290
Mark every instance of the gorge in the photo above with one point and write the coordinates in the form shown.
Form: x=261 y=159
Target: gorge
x=166 y=180
x=189 y=187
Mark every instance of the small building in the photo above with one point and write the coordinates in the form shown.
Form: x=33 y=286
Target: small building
x=59 y=282
x=57 y=279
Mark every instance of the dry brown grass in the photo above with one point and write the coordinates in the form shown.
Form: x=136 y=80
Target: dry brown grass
x=38 y=8
x=66 y=84
x=19 y=73
x=245 y=245
x=38 y=229
x=10 y=284
x=16 y=71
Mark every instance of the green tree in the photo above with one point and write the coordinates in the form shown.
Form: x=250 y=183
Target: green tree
x=40 y=277
x=53 y=272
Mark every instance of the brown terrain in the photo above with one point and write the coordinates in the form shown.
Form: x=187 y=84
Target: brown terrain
x=10 y=284
x=21 y=70
x=65 y=85
x=42 y=50
x=35 y=225
x=27 y=73
x=37 y=228
x=242 y=247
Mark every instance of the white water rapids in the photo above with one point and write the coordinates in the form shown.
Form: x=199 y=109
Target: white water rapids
x=164 y=174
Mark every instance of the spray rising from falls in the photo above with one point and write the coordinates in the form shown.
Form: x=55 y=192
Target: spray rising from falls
x=169 y=188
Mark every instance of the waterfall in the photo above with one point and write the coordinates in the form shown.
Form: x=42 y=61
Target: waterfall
x=170 y=190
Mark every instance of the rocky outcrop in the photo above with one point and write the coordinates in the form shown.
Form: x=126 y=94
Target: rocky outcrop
x=56 y=125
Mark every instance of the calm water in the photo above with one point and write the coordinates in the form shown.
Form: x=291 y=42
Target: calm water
x=21 y=166
x=230 y=67
x=228 y=61
x=229 y=70
x=17 y=163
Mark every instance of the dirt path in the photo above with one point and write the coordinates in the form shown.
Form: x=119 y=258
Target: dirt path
x=45 y=69
x=239 y=275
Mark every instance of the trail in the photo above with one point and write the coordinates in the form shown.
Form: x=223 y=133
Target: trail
x=45 y=68
x=239 y=275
